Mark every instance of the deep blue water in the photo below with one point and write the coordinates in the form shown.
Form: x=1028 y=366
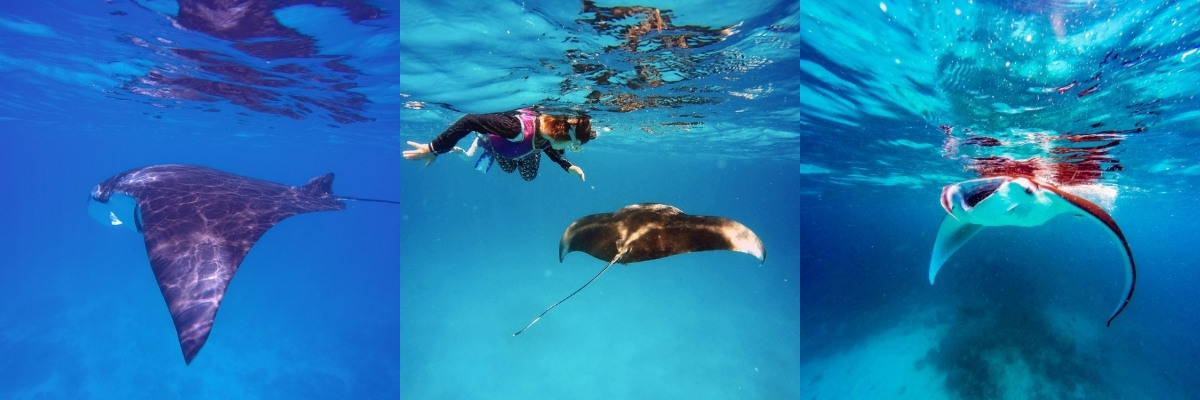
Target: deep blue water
x=418 y=300
x=313 y=311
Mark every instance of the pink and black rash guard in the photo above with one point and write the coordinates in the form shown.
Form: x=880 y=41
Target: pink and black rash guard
x=506 y=125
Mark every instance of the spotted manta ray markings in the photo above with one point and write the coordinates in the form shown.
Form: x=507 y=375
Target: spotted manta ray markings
x=198 y=224
x=1016 y=201
x=649 y=231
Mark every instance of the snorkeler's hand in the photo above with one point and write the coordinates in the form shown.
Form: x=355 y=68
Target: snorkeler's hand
x=419 y=152
x=577 y=171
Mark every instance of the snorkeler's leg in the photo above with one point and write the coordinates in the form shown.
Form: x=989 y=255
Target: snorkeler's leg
x=508 y=165
x=529 y=166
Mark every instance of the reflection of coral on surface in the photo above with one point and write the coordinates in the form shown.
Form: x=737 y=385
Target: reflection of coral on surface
x=1063 y=126
x=301 y=87
x=626 y=102
x=1068 y=159
x=252 y=26
x=653 y=52
x=612 y=21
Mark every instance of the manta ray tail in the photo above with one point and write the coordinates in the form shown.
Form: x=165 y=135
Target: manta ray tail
x=322 y=186
x=362 y=199
x=589 y=282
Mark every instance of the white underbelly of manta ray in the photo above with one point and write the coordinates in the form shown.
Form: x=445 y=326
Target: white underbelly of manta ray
x=1015 y=201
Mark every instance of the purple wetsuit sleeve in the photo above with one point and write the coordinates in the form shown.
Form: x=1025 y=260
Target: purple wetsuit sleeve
x=504 y=125
x=557 y=157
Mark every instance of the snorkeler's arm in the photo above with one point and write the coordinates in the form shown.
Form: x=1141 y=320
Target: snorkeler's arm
x=558 y=158
x=500 y=124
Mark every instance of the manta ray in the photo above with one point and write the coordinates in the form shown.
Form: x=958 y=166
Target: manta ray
x=650 y=231
x=198 y=224
x=1015 y=201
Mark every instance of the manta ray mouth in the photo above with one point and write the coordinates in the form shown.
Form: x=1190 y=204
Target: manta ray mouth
x=976 y=193
x=970 y=193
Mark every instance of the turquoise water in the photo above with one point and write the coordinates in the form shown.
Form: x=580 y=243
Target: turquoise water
x=902 y=98
x=711 y=131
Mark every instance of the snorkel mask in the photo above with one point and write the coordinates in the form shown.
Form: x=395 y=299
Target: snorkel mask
x=575 y=144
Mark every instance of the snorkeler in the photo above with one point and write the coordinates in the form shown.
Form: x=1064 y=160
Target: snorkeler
x=515 y=139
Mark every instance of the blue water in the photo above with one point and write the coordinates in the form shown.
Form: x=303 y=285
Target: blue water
x=711 y=133
x=421 y=300
x=313 y=311
x=904 y=97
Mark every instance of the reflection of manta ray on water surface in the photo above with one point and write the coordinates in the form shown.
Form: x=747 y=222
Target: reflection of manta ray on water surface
x=198 y=224
x=1015 y=201
x=650 y=231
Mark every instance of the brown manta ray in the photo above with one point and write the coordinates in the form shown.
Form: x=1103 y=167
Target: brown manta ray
x=649 y=231
x=198 y=224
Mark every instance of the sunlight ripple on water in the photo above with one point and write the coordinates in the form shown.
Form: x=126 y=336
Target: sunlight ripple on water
x=1069 y=92
x=672 y=74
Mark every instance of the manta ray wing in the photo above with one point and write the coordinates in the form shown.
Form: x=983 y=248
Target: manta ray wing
x=193 y=269
x=691 y=233
x=1098 y=214
x=199 y=223
x=596 y=234
x=951 y=236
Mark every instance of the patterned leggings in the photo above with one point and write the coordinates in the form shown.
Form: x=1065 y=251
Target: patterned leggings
x=528 y=165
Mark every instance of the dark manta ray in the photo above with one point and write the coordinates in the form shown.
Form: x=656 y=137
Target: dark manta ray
x=650 y=231
x=1016 y=201
x=198 y=224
